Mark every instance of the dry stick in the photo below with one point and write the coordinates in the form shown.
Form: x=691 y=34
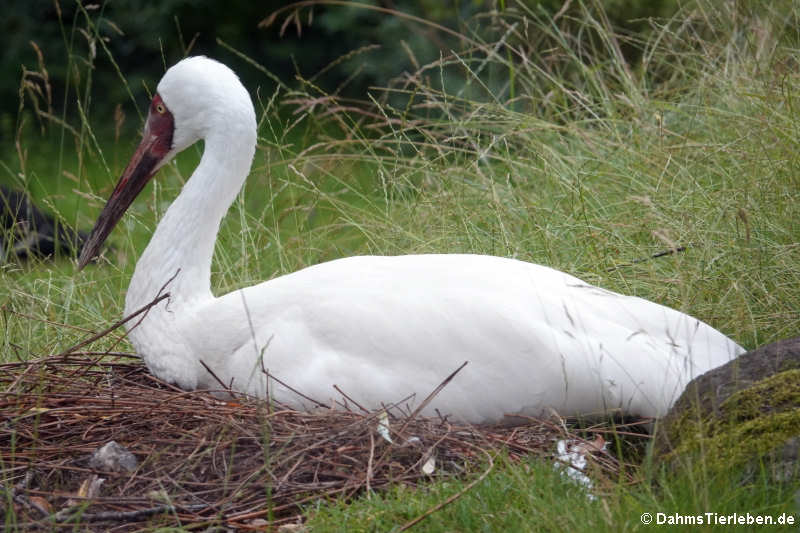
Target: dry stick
x=430 y=397
x=288 y=473
x=20 y=377
x=226 y=388
x=368 y=476
x=340 y=391
x=455 y=496
x=122 y=321
x=17 y=349
x=109 y=329
x=18 y=496
x=124 y=516
x=113 y=354
x=138 y=322
x=272 y=376
x=617 y=432
x=654 y=256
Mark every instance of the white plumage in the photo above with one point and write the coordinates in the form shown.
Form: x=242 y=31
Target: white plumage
x=382 y=328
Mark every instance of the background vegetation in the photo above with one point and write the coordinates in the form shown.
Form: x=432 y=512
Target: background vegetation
x=356 y=47
x=579 y=138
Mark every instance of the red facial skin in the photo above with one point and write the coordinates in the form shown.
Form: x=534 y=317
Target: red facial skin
x=156 y=143
x=160 y=125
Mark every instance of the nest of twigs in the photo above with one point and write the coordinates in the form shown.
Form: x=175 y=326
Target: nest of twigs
x=241 y=463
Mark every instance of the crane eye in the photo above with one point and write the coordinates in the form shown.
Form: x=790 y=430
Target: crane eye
x=160 y=108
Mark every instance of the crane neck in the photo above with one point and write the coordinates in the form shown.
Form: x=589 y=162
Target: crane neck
x=183 y=242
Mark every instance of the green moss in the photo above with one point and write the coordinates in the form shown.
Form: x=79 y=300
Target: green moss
x=788 y=364
x=754 y=438
x=774 y=394
x=748 y=425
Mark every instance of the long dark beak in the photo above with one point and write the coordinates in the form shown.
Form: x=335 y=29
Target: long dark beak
x=155 y=145
x=139 y=171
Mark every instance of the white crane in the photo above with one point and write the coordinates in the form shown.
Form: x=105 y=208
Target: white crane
x=381 y=328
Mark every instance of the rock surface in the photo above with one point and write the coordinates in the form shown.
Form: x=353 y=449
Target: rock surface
x=744 y=414
x=113 y=457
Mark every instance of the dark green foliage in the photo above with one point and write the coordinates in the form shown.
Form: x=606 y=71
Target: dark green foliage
x=145 y=36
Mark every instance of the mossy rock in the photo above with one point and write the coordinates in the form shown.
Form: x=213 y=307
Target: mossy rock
x=743 y=415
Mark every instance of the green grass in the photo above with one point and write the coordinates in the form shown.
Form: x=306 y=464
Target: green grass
x=533 y=496
x=593 y=165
